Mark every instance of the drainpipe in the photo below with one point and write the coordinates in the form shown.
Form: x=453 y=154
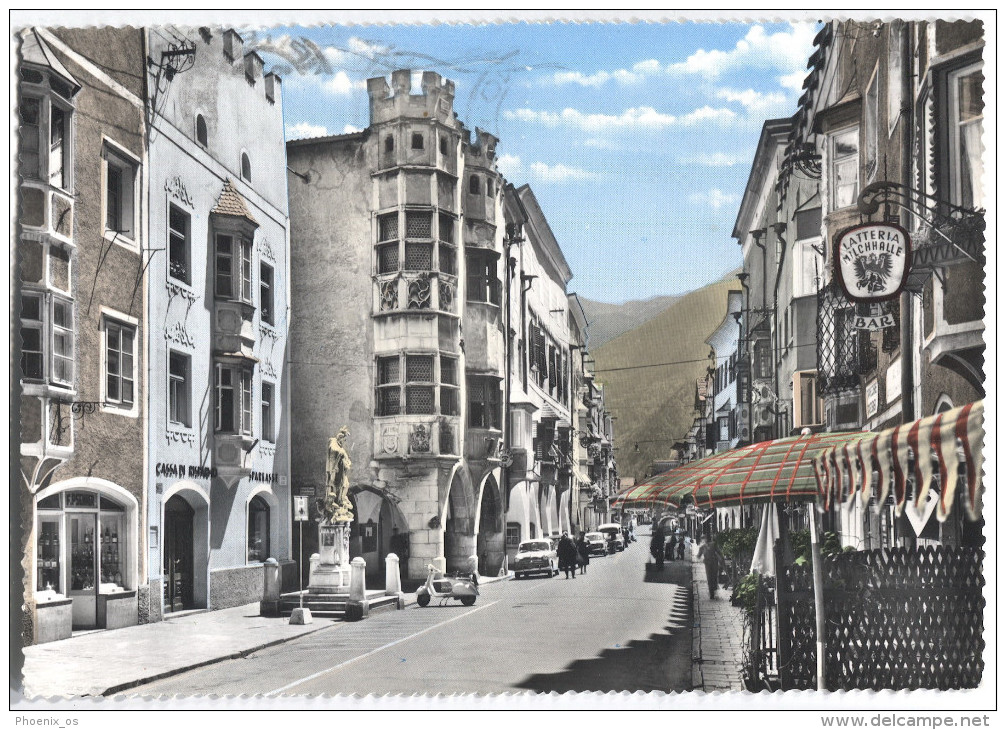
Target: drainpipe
x=778 y=229
x=907 y=364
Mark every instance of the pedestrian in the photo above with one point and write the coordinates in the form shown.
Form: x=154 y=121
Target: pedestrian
x=681 y=547
x=582 y=552
x=657 y=546
x=711 y=558
x=399 y=545
x=567 y=555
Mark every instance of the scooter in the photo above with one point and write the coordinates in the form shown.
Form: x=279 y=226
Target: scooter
x=445 y=588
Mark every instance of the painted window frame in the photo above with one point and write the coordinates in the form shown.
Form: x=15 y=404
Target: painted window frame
x=127 y=165
x=954 y=138
x=853 y=132
x=179 y=390
x=119 y=323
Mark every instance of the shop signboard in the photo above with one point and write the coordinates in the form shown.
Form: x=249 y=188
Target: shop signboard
x=872 y=261
x=300 y=509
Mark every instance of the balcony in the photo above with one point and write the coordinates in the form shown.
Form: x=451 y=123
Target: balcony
x=483 y=443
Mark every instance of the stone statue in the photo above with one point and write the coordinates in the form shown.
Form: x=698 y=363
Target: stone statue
x=336 y=506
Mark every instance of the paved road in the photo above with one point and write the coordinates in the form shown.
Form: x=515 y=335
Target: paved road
x=615 y=628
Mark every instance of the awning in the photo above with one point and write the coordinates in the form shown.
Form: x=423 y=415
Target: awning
x=767 y=471
x=952 y=440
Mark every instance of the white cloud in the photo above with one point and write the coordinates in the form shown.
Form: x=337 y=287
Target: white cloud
x=794 y=80
x=715 y=199
x=350 y=129
x=708 y=115
x=599 y=143
x=304 y=130
x=786 y=50
x=561 y=173
x=643 y=117
x=756 y=102
x=509 y=165
x=716 y=159
x=368 y=49
x=340 y=84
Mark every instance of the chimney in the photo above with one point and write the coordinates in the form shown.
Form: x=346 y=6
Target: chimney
x=233 y=45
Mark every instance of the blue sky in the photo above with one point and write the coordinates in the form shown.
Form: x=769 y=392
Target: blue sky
x=636 y=138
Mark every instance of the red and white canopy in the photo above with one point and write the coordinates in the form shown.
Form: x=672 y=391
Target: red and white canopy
x=950 y=441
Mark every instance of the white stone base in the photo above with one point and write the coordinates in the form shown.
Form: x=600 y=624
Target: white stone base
x=329 y=579
x=301 y=617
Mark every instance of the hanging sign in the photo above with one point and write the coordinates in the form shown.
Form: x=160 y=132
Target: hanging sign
x=873 y=322
x=872 y=261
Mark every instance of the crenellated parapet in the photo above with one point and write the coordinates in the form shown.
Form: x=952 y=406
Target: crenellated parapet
x=389 y=103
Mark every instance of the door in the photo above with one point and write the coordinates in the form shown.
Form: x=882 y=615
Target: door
x=83 y=569
x=178 y=562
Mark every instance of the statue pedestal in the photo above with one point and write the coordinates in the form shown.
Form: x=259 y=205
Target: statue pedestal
x=331 y=572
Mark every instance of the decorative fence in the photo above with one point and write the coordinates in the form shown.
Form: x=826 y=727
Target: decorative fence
x=895 y=619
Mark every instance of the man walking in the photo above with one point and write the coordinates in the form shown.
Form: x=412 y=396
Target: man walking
x=711 y=558
x=567 y=555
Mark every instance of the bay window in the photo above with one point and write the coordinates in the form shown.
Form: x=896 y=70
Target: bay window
x=45 y=116
x=388 y=386
x=484 y=402
x=233 y=268
x=483 y=277
x=966 y=114
x=843 y=167
x=47 y=341
x=32 y=338
x=233 y=399
x=62 y=341
x=408 y=384
x=449 y=405
x=419 y=384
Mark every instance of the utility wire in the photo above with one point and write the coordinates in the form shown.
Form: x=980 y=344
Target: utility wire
x=677 y=362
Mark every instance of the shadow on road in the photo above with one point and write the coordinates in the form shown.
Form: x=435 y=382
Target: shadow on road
x=661 y=662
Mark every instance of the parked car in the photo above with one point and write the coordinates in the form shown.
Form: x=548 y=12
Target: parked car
x=612 y=532
x=536 y=556
x=596 y=543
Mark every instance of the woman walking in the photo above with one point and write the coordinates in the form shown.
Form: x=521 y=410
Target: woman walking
x=582 y=553
x=566 y=553
x=711 y=558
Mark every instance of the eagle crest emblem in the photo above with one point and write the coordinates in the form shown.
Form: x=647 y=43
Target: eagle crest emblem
x=873 y=271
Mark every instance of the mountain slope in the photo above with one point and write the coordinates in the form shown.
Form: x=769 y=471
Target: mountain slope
x=654 y=405
x=608 y=321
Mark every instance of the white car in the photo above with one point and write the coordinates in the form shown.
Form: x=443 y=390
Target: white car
x=535 y=556
x=597 y=543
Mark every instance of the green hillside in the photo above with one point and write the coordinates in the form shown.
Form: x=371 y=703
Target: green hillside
x=657 y=403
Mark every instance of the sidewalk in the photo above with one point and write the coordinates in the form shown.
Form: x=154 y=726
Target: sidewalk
x=100 y=663
x=717 y=652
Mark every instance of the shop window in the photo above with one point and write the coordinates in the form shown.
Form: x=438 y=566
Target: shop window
x=966 y=114
x=387 y=227
x=417 y=141
x=179 y=246
x=111 y=525
x=473 y=185
x=233 y=268
x=449 y=391
x=419 y=224
x=245 y=167
x=120 y=362
x=419 y=384
x=483 y=402
x=202 y=135
x=120 y=194
x=266 y=293
x=483 y=279
x=388 y=386
x=258 y=530
x=48 y=556
x=268 y=419
x=843 y=167
x=233 y=399
x=179 y=389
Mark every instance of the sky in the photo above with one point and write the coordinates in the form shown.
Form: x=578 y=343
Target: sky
x=637 y=139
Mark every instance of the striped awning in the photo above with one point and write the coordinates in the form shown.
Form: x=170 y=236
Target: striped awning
x=767 y=471
x=951 y=440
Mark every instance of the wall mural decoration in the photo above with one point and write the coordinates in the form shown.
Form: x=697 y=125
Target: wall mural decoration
x=174 y=187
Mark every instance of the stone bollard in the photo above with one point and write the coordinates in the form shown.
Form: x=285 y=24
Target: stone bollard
x=269 y=605
x=393 y=580
x=357 y=606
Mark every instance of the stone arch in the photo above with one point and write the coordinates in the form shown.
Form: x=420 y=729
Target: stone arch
x=198 y=499
x=458 y=521
x=376 y=516
x=490 y=542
